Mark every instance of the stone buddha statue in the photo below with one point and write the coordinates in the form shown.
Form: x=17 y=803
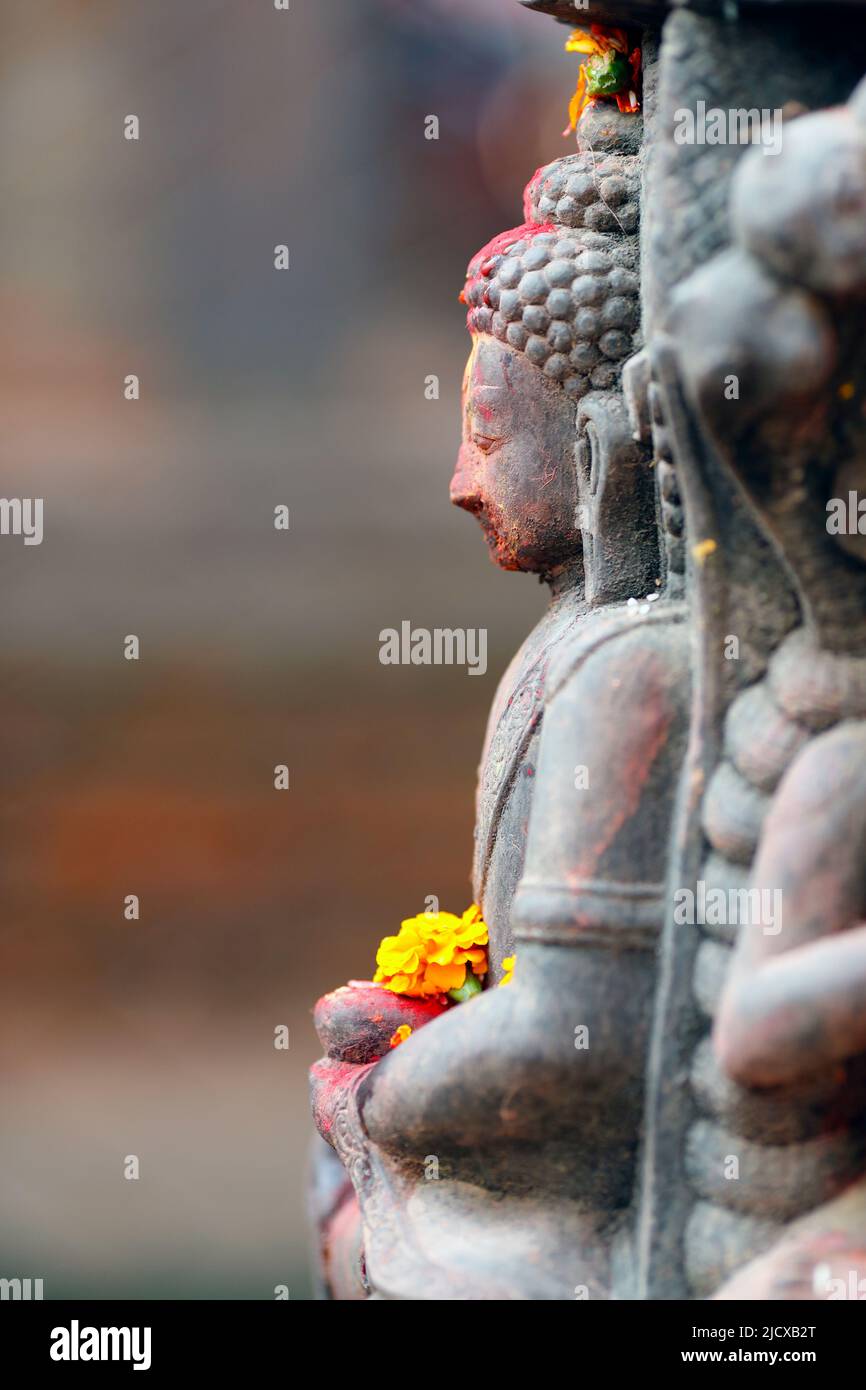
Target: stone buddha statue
x=528 y=1100
x=658 y=1106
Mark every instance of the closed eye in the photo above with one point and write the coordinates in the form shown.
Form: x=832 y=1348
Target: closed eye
x=485 y=442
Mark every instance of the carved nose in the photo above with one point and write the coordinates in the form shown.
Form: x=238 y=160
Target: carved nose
x=469 y=501
x=464 y=485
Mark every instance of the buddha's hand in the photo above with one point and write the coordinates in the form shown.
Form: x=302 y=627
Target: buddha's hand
x=358 y=1024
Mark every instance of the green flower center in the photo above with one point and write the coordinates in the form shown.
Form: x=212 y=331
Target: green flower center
x=607 y=74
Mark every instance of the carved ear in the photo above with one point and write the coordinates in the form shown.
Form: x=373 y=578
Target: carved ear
x=616 y=496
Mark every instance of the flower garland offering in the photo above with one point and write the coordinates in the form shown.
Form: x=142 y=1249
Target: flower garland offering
x=609 y=72
x=435 y=954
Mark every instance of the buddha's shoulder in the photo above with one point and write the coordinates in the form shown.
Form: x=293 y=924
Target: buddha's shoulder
x=624 y=644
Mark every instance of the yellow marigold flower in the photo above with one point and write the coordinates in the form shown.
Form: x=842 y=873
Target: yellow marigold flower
x=400 y=1035
x=431 y=952
x=442 y=978
x=508 y=967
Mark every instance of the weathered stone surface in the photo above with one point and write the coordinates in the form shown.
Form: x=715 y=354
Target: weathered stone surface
x=357 y=1022
x=655 y=430
x=808 y=225
x=653 y=12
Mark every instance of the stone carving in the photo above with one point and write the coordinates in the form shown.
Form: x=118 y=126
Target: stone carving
x=662 y=451
x=783 y=1090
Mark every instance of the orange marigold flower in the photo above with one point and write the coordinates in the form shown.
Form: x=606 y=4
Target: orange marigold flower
x=431 y=952
x=508 y=967
x=400 y=1035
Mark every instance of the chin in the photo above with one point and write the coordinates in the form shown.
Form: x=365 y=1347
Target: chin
x=519 y=559
x=501 y=552
x=517 y=562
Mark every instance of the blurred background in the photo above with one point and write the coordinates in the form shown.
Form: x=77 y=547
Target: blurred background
x=258 y=388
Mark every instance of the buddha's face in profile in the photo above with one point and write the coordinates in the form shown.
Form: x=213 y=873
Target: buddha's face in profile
x=515 y=471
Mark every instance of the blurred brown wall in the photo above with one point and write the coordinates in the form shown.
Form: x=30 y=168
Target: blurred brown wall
x=258 y=647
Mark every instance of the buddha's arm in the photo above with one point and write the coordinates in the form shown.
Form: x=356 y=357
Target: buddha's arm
x=796 y=998
x=506 y=1065
x=564 y=1040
